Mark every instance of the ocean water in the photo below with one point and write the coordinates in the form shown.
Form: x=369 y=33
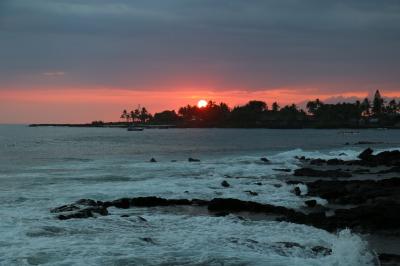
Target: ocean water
x=42 y=168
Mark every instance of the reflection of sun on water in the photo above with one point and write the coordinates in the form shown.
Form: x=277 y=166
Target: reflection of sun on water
x=202 y=103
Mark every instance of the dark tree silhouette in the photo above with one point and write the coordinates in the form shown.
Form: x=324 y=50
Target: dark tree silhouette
x=275 y=107
x=378 y=104
x=256 y=114
x=125 y=115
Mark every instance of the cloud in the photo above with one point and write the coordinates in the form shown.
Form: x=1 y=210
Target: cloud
x=221 y=45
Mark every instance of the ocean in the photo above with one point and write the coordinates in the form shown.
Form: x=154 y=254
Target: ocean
x=46 y=167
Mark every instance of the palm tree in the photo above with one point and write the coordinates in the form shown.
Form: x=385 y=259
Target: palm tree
x=136 y=113
x=125 y=115
x=133 y=116
x=144 y=115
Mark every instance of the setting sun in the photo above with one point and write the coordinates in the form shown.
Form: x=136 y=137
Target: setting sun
x=202 y=103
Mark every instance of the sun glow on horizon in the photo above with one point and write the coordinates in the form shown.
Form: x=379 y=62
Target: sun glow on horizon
x=202 y=103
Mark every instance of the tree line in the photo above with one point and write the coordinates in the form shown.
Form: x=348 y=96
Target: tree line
x=367 y=113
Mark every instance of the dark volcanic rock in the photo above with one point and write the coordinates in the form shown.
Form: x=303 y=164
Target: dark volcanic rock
x=152 y=160
x=87 y=202
x=156 y=201
x=317 y=161
x=389 y=259
x=193 y=160
x=395 y=169
x=148 y=240
x=65 y=208
x=320 y=250
x=265 y=160
x=311 y=203
x=361 y=171
x=290 y=244
x=315 y=251
x=380 y=207
x=366 y=154
x=225 y=184
x=123 y=203
x=366 y=158
x=389 y=158
x=296 y=191
x=252 y=193
x=287 y=170
x=334 y=162
x=76 y=206
x=320 y=173
x=384 y=215
x=235 y=205
x=355 y=191
x=84 y=213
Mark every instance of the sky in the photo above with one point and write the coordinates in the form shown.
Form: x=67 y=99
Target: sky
x=84 y=60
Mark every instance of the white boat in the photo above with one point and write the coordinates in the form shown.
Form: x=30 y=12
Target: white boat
x=133 y=128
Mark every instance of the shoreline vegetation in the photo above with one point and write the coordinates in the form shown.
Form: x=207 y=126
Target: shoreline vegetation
x=375 y=113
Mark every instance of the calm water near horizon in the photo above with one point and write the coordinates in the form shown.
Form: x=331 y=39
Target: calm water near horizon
x=45 y=167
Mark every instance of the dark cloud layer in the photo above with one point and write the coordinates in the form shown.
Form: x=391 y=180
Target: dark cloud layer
x=225 y=44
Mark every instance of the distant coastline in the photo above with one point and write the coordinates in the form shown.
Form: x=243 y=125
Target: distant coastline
x=155 y=126
x=376 y=113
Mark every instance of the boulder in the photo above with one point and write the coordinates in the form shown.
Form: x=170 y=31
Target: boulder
x=388 y=158
x=65 y=208
x=311 y=203
x=265 y=160
x=225 y=184
x=251 y=193
x=320 y=250
x=193 y=160
x=296 y=191
x=84 y=213
x=366 y=155
x=152 y=160
x=87 y=202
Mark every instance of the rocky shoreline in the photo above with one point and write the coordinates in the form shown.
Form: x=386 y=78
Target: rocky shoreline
x=362 y=194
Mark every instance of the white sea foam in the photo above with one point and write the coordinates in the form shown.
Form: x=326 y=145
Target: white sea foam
x=167 y=239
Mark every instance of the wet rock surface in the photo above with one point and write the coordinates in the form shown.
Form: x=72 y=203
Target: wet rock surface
x=389 y=259
x=366 y=158
x=225 y=184
x=355 y=191
x=320 y=173
x=368 y=202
